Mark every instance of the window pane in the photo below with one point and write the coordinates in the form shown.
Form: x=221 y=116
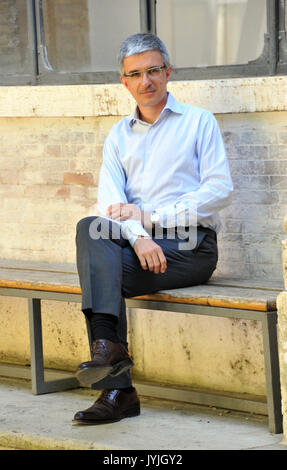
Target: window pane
x=13 y=36
x=212 y=32
x=85 y=35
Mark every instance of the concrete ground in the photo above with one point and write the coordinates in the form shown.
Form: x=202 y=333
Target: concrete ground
x=45 y=422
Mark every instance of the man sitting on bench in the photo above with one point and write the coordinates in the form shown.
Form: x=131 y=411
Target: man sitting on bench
x=163 y=180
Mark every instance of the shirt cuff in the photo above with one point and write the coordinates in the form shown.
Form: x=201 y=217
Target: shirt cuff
x=132 y=229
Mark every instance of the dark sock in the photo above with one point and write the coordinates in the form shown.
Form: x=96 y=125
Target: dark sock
x=128 y=389
x=104 y=326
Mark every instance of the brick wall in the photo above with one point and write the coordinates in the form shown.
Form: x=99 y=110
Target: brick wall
x=48 y=177
x=252 y=231
x=48 y=180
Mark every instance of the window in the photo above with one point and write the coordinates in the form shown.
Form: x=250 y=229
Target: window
x=17 y=57
x=76 y=41
x=222 y=32
x=84 y=35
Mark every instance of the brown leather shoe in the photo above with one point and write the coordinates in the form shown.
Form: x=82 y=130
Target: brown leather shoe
x=111 y=406
x=108 y=358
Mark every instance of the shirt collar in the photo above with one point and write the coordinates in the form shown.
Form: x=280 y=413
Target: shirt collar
x=171 y=105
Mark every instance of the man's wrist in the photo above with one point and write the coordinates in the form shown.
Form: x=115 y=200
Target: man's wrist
x=140 y=237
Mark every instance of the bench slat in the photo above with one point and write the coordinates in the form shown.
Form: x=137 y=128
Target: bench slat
x=70 y=268
x=38 y=266
x=207 y=294
x=216 y=301
x=39 y=287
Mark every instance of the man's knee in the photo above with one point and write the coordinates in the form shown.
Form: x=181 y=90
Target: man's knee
x=83 y=226
x=95 y=228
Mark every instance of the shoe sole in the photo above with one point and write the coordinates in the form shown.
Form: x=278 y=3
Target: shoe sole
x=90 y=375
x=130 y=413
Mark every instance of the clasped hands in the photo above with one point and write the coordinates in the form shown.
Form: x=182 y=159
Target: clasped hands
x=149 y=253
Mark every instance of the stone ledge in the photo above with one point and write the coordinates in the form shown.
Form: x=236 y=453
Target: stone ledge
x=45 y=422
x=236 y=95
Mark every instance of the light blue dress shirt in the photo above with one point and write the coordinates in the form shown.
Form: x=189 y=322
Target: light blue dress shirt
x=176 y=166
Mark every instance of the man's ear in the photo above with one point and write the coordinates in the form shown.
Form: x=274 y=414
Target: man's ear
x=124 y=81
x=168 y=72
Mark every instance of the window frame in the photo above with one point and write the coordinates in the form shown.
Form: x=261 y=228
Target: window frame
x=272 y=61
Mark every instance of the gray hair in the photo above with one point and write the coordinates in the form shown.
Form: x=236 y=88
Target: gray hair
x=142 y=42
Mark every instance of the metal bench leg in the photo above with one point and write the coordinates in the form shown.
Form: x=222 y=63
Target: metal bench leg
x=269 y=325
x=39 y=385
x=36 y=345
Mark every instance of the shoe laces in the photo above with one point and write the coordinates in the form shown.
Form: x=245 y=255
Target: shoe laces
x=98 y=347
x=108 y=393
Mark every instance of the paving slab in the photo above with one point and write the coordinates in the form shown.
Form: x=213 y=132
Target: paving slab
x=34 y=422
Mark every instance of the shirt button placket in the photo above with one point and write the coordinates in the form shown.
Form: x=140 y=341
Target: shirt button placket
x=146 y=166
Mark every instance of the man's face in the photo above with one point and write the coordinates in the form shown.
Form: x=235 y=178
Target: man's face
x=146 y=90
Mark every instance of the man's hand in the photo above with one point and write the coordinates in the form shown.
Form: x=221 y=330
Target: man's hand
x=150 y=255
x=148 y=252
x=121 y=211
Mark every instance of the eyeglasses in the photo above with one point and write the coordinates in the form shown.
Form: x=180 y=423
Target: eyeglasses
x=152 y=72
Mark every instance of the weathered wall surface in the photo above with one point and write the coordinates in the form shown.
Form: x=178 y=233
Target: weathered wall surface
x=282 y=333
x=252 y=230
x=282 y=336
x=48 y=180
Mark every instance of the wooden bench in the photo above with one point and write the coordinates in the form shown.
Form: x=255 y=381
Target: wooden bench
x=240 y=299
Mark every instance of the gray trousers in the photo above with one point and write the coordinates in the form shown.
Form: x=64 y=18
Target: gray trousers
x=109 y=271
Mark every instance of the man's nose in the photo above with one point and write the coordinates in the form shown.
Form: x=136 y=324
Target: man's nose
x=145 y=78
